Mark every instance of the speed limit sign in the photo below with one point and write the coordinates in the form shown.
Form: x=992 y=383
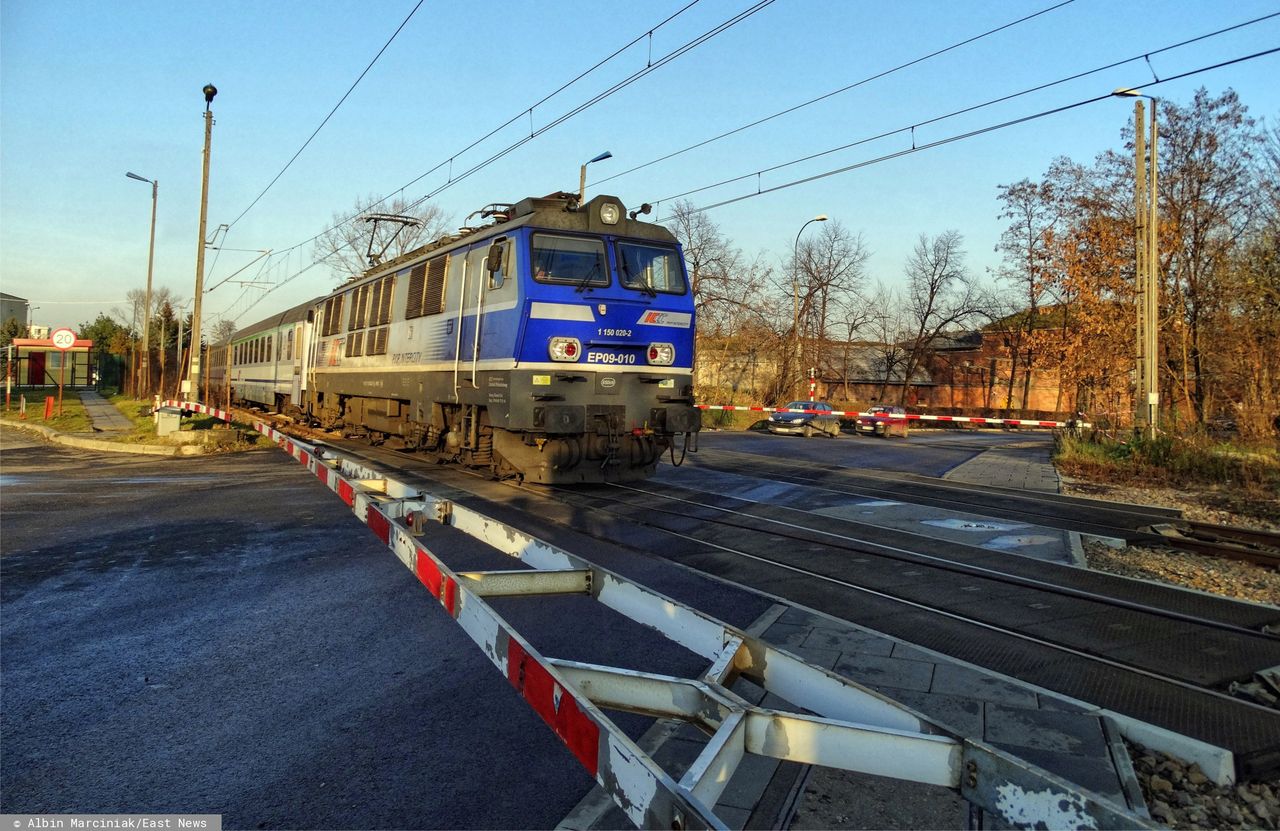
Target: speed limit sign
x=63 y=339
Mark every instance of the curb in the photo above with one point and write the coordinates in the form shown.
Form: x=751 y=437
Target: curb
x=106 y=446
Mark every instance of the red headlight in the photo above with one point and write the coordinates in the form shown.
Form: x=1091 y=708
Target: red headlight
x=564 y=349
x=661 y=354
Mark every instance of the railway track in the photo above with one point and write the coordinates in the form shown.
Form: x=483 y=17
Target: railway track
x=1168 y=667
x=1164 y=656
x=1135 y=524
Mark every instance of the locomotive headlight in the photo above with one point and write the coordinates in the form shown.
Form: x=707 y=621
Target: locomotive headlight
x=565 y=349
x=662 y=354
x=610 y=213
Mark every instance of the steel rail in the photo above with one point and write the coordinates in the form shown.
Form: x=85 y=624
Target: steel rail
x=855 y=544
x=1041 y=510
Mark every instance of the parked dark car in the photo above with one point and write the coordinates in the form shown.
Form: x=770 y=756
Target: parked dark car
x=823 y=421
x=884 y=421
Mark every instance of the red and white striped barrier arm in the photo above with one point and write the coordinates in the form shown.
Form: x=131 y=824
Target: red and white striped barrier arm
x=1018 y=422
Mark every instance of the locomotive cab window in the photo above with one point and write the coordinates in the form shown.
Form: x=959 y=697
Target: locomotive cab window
x=650 y=268
x=577 y=261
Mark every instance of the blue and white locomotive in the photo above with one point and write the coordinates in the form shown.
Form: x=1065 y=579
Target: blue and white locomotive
x=554 y=344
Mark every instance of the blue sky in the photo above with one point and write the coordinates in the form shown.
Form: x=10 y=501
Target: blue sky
x=89 y=91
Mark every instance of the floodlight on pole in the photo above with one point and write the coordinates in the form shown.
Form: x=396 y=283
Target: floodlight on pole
x=193 y=374
x=795 y=287
x=582 y=174
x=151 y=258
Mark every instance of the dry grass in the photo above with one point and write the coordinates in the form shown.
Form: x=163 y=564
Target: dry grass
x=1224 y=480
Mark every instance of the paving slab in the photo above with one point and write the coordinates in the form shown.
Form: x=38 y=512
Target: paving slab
x=103 y=414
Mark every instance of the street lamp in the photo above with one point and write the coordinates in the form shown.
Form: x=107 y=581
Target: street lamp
x=151 y=256
x=795 y=289
x=1147 y=256
x=193 y=375
x=582 y=174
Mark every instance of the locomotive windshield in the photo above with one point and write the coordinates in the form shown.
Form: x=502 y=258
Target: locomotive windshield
x=575 y=260
x=650 y=268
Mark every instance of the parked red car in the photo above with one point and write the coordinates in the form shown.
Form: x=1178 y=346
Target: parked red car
x=883 y=421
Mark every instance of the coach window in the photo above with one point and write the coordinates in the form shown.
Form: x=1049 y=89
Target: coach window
x=577 y=261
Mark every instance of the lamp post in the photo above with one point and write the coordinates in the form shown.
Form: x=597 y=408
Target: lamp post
x=151 y=257
x=193 y=376
x=795 y=289
x=1147 y=270
x=582 y=174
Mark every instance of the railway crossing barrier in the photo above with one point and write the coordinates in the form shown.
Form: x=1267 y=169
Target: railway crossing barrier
x=1015 y=422
x=852 y=727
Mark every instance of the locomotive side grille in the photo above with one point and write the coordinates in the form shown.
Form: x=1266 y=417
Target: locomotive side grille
x=433 y=294
x=380 y=308
x=377 y=342
x=332 y=316
x=354 y=344
x=417 y=281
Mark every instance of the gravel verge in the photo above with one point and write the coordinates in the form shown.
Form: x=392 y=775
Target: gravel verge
x=1180 y=796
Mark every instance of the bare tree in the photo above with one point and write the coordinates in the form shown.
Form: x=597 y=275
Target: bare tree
x=346 y=246
x=888 y=330
x=725 y=285
x=940 y=296
x=830 y=273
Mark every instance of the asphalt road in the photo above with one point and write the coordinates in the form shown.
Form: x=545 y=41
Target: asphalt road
x=215 y=635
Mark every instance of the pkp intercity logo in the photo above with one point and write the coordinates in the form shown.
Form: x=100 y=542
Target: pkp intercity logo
x=671 y=320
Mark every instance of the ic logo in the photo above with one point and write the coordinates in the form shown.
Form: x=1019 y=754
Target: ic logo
x=602 y=309
x=608 y=383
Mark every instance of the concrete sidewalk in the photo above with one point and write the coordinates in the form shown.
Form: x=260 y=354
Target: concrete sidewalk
x=1021 y=465
x=104 y=415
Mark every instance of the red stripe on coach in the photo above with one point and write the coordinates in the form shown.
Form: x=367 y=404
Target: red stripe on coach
x=579 y=733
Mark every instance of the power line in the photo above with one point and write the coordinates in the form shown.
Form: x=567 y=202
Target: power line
x=835 y=92
x=534 y=133
x=623 y=84
x=970 y=134
x=317 y=130
x=521 y=114
x=1114 y=64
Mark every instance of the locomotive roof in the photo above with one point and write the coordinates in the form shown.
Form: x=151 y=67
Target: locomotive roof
x=556 y=212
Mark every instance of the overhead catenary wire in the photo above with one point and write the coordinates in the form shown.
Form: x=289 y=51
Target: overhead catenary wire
x=1001 y=99
x=521 y=114
x=325 y=121
x=960 y=137
x=650 y=67
x=835 y=92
